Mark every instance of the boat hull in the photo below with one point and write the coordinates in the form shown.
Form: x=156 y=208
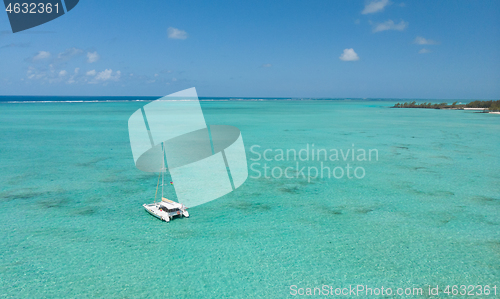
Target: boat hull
x=155 y=210
x=152 y=212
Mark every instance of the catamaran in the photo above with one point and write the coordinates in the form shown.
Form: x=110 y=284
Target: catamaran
x=165 y=209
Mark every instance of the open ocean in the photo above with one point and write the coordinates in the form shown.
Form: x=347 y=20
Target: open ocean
x=426 y=212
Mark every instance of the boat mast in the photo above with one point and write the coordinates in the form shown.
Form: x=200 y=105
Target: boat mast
x=157 y=184
x=162 y=170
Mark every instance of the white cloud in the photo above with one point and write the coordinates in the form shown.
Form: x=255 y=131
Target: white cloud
x=375 y=6
x=51 y=74
x=349 y=55
x=107 y=75
x=424 y=51
x=16 y=45
x=423 y=41
x=69 y=53
x=267 y=65
x=41 y=55
x=390 y=25
x=71 y=79
x=33 y=73
x=104 y=75
x=46 y=75
x=59 y=58
x=357 y=21
x=92 y=57
x=175 y=33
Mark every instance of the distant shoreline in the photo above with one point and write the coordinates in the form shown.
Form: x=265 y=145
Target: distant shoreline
x=484 y=106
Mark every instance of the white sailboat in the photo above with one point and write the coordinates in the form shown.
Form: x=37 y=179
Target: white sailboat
x=165 y=209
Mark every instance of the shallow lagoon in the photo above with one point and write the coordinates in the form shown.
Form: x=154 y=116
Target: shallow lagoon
x=427 y=212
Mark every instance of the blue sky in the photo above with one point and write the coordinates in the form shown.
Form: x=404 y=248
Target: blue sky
x=359 y=49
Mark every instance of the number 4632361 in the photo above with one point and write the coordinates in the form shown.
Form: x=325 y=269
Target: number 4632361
x=32 y=8
x=470 y=290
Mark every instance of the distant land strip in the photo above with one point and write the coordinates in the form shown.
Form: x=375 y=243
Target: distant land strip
x=485 y=106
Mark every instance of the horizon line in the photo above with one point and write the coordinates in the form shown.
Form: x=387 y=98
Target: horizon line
x=236 y=97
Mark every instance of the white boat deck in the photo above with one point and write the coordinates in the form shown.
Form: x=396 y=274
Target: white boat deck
x=166 y=209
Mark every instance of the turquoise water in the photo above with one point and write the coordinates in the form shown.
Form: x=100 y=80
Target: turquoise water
x=427 y=212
